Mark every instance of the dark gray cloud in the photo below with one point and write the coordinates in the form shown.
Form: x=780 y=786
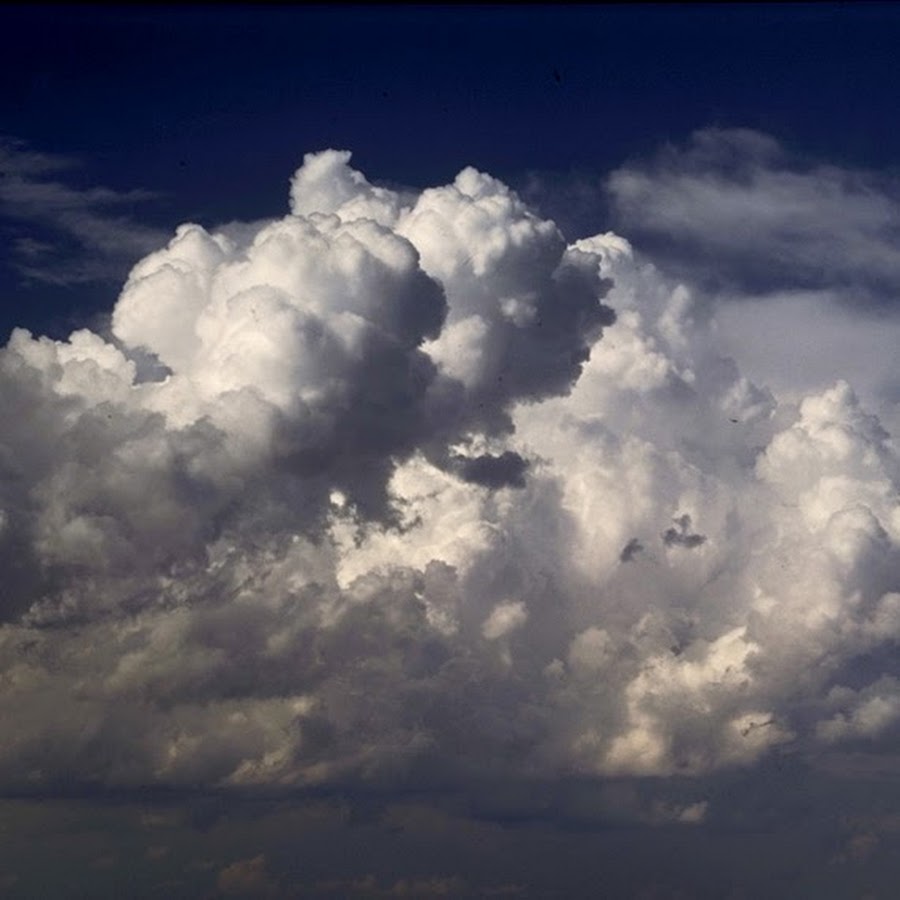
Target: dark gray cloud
x=681 y=535
x=505 y=470
x=631 y=550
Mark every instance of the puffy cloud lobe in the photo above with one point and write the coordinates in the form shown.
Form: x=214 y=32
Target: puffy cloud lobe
x=311 y=332
x=504 y=618
x=395 y=509
x=523 y=311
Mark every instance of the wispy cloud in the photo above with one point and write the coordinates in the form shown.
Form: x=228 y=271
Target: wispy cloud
x=60 y=234
x=733 y=207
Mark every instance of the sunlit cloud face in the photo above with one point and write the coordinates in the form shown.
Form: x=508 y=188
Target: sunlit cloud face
x=422 y=488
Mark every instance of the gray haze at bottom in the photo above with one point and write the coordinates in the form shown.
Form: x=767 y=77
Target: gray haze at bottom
x=784 y=830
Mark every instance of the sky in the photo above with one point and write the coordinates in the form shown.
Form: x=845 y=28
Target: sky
x=450 y=452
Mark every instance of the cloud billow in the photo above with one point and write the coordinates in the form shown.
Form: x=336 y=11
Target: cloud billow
x=421 y=490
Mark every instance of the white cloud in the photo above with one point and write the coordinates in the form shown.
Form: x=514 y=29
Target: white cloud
x=374 y=518
x=504 y=618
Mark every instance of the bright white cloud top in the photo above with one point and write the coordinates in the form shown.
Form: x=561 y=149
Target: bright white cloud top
x=423 y=491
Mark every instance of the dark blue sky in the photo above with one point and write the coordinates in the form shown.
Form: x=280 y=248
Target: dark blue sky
x=211 y=109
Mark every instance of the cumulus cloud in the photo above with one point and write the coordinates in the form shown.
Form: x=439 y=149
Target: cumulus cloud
x=418 y=491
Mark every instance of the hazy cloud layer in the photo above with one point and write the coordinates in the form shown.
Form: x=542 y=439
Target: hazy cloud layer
x=426 y=492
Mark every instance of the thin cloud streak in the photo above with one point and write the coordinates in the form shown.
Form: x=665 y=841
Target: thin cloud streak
x=733 y=207
x=83 y=234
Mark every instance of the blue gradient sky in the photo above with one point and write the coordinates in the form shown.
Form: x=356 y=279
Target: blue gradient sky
x=207 y=110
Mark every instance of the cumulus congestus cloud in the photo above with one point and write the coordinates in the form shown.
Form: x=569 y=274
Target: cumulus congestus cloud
x=367 y=520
